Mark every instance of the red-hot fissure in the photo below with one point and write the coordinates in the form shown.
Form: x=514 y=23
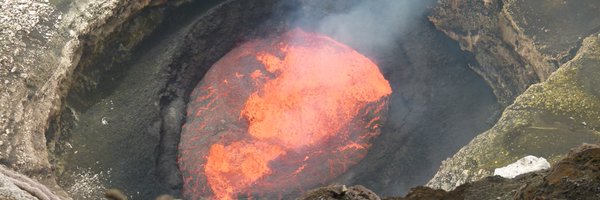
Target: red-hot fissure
x=280 y=114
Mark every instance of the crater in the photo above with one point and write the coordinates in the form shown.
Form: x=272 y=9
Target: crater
x=121 y=123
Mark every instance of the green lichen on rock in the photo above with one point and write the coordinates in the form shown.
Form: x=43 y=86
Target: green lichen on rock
x=546 y=120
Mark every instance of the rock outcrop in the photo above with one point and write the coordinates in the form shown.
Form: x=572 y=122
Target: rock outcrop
x=15 y=186
x=517 y=42
x=546 y=120
x=9 y=191
x=574 y=177
x=335 y=192
x=40 y=46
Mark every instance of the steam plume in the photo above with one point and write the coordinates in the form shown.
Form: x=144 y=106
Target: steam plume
x=373 y=24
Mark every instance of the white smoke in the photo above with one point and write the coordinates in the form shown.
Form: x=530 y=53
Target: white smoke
x=373 y=24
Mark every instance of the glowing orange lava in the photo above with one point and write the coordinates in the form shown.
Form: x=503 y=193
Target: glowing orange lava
x=280 y=115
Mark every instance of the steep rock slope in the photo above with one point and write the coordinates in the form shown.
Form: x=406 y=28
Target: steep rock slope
x=574 y=177
x=40 y=46
x=546 y=120
x=517 y=42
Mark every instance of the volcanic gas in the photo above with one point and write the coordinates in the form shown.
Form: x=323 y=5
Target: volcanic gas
x=279 y=115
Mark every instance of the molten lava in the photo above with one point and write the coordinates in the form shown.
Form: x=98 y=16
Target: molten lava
x=280 y=115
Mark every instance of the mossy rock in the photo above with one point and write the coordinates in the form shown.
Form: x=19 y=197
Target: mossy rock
x=547 y=120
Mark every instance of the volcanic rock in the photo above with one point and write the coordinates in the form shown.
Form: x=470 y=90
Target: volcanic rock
x=517 y=42
x=337 y=192
x=10 y=191
x=41 y=43
x=547 y=119
x=524 y=165
x=574 y=177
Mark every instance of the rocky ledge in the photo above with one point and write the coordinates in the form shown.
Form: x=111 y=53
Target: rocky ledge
x=517 y=42
x=574 y=177
x=41 y=44
x=546 y=120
